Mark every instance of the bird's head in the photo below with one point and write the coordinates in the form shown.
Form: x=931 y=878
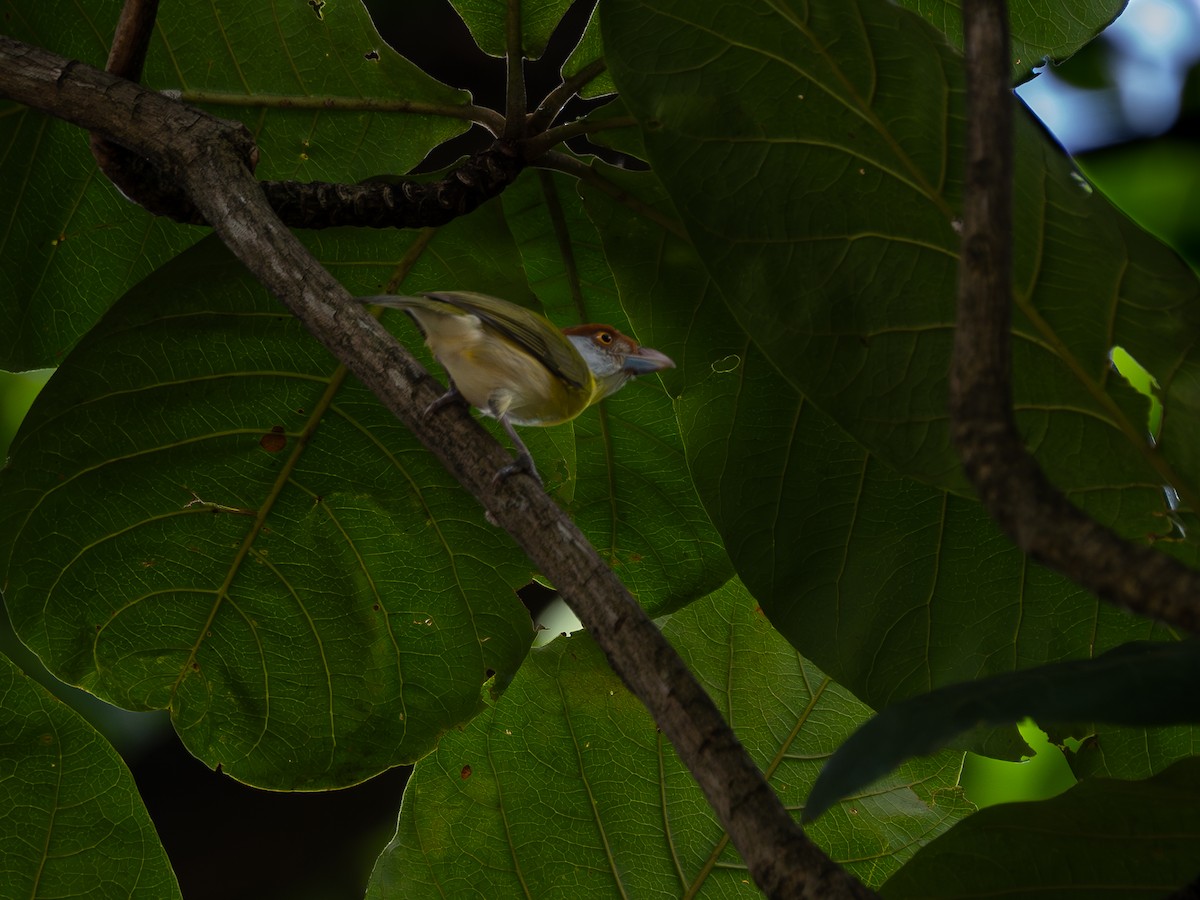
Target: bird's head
x=614 y=358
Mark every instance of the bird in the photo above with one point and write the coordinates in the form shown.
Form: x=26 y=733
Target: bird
x=516 y=366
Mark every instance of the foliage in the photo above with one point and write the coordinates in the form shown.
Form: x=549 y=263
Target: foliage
x=204 y=513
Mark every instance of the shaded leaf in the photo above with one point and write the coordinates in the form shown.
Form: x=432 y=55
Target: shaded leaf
x=324 y=96
x=828 y=221
x=73 y=822
x=1109 y=751
x=893 y=587
x=486 y=21
x=1100 y=838
x=565 y=788
x=1125 y=686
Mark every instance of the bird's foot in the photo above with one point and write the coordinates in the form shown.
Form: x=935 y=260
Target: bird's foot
x=523 y=464
x=449 y=398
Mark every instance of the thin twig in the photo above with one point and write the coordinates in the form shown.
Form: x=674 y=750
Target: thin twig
x=1010 y=483
x=514 y=55
x=480 y=115
x=539 y=144
x=549 y=108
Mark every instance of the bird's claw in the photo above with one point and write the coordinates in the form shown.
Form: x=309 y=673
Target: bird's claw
x=522 y=464
x=451 y=396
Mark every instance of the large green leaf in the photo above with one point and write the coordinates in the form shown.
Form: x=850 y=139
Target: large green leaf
x=272 y=556
x=891 y=586
x=325 y=97
x=1125 y=686
x=201 y=514
x=822 y=193
x=566 y=789
x=1102 y=838
x=73 y=823
x=79 y=242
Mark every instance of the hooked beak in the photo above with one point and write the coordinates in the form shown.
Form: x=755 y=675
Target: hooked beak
x=645 y=360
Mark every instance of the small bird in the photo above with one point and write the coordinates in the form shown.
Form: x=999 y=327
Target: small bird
x=514 y=365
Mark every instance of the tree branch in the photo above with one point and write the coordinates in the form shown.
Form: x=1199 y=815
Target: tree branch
x=209 y=157
x=1011 y=485
x=549 y=108
x=514 y=55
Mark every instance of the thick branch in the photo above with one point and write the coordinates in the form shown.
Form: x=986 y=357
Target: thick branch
x=1009 y=481
x=209 y=157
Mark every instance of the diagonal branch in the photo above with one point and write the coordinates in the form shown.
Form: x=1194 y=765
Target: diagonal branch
x=1008 y=480
x=210 y=157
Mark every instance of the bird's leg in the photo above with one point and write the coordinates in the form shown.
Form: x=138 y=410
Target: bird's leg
x=451 y=396
x=524 y=460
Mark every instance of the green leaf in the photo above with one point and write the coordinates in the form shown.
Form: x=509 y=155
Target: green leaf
x=1100 y=838
x=1110 y=751
x=486 y=21
x=324 y=96
x=200 y=513
x=80 y=243
x=565 y=788
x=590 y=48
x=73 y=822
x=272 y=556
x=827 y=218
x=1125 y=686
x=893 y=587
x=1041 y=31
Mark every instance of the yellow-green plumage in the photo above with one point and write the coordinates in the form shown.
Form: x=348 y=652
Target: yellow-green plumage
x=515 y=365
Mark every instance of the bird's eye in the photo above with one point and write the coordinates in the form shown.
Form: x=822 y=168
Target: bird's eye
x=604 y=337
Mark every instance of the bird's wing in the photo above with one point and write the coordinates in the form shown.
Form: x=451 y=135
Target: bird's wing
x=530 y=331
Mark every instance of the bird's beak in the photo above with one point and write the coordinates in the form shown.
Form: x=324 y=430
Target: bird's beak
x=644 y=360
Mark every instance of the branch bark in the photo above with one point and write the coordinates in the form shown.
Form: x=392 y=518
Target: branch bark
x=1010 y=483
x=211 y=159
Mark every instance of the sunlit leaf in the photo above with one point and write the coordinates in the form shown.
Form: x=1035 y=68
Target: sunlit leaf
x=566 y=784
